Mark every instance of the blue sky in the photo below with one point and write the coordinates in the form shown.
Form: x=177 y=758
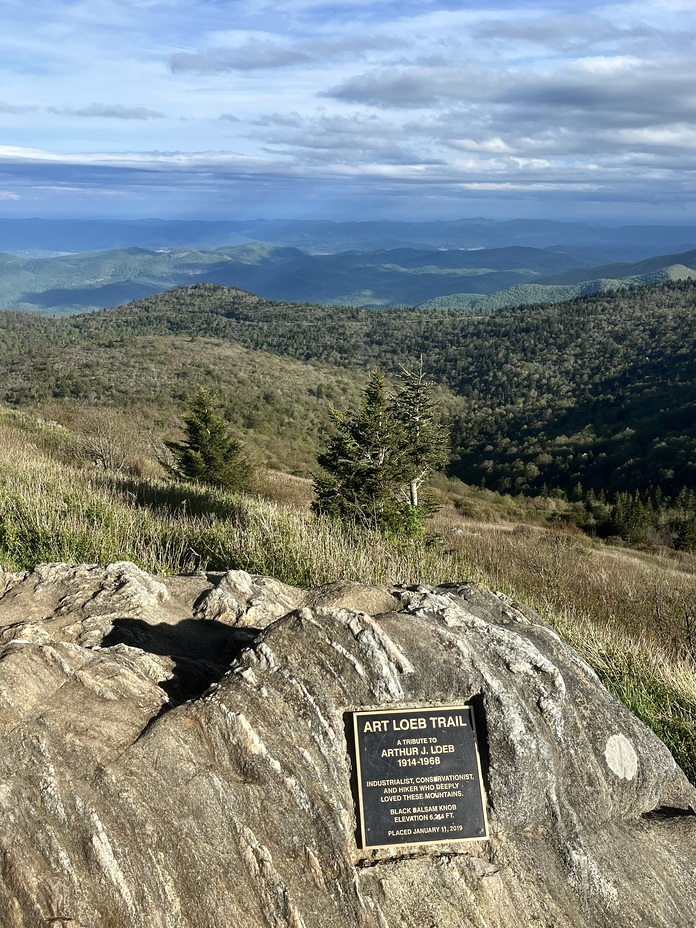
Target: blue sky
x=354 y=110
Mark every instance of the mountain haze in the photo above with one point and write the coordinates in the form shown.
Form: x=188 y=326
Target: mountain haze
x=34 y=237
x=487 y=278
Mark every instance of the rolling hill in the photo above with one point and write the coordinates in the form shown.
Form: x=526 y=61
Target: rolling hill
x=435 y=279
x=576 y=282
x=69 y=284
x=598 y=392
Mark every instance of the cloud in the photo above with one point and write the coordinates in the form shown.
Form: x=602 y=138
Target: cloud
x=587 y=82
x=12 y=108
x=215 y=183
x=110 y=111
x=437 y=101
x=9 y=195
x=335 y=140
x=562 y=32
x=254 y=56
x=493 y=145
x=16 y=154
x=607 y=65
x=641 y=28
x=416 y=87
x=73 y=163
x=593 y=96
x=262 y=54
x=594 y=104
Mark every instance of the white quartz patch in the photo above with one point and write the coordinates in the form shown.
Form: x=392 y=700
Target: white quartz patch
x=621 y=757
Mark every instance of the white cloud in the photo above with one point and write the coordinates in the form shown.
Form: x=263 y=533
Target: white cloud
x=414 y=96
x=110 y=111
x=491 y=146
x=679 y=137
x=606 y=65
x=20 y=154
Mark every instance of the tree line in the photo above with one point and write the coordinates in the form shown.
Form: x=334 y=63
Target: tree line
x=374 y=469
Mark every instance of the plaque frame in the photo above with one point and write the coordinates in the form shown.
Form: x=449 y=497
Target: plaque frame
x=384 y=714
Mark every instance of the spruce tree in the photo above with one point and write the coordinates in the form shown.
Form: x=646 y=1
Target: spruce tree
x=425 y=447
x=209 y=453
x=379 y=456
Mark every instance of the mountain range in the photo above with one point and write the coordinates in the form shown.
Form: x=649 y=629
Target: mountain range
x=453 y=278
x=42 y=237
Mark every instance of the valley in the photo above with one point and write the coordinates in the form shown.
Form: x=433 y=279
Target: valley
x=592 y=396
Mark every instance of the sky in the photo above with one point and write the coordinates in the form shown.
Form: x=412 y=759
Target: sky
x=222 y=109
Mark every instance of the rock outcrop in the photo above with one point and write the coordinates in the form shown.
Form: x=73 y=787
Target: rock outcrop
x=175 y=755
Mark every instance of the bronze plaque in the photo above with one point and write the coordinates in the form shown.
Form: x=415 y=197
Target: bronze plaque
x=418 y=776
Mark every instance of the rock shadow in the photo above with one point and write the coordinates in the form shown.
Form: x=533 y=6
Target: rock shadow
x=201 y=650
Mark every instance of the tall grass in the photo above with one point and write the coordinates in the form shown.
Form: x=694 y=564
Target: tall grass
x=54 y=513
x=631 y=617
x=651 y=599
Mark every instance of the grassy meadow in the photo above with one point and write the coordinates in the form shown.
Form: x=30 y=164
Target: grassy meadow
x=83 y=496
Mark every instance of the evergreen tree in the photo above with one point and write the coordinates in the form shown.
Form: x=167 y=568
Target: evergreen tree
x=425 y=447
x=378 y=458
x=208 y=454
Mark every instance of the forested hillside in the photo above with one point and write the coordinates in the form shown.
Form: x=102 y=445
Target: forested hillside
x=579 y=281
x=593 y=396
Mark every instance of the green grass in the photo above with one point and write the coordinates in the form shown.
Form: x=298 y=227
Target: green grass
x=629 y=616
x=657 y=686
x=55 y=513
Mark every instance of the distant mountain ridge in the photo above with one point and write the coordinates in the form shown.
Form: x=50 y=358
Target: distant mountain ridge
x=577 y=282
x=474 y=279
x=36 y=237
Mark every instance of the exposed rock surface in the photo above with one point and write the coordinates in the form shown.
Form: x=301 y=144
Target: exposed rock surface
x=174 y=756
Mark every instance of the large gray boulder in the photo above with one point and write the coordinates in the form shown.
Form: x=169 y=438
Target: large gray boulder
x=175 y=755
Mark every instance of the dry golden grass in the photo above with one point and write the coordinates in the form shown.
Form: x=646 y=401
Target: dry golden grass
x=652 y=598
